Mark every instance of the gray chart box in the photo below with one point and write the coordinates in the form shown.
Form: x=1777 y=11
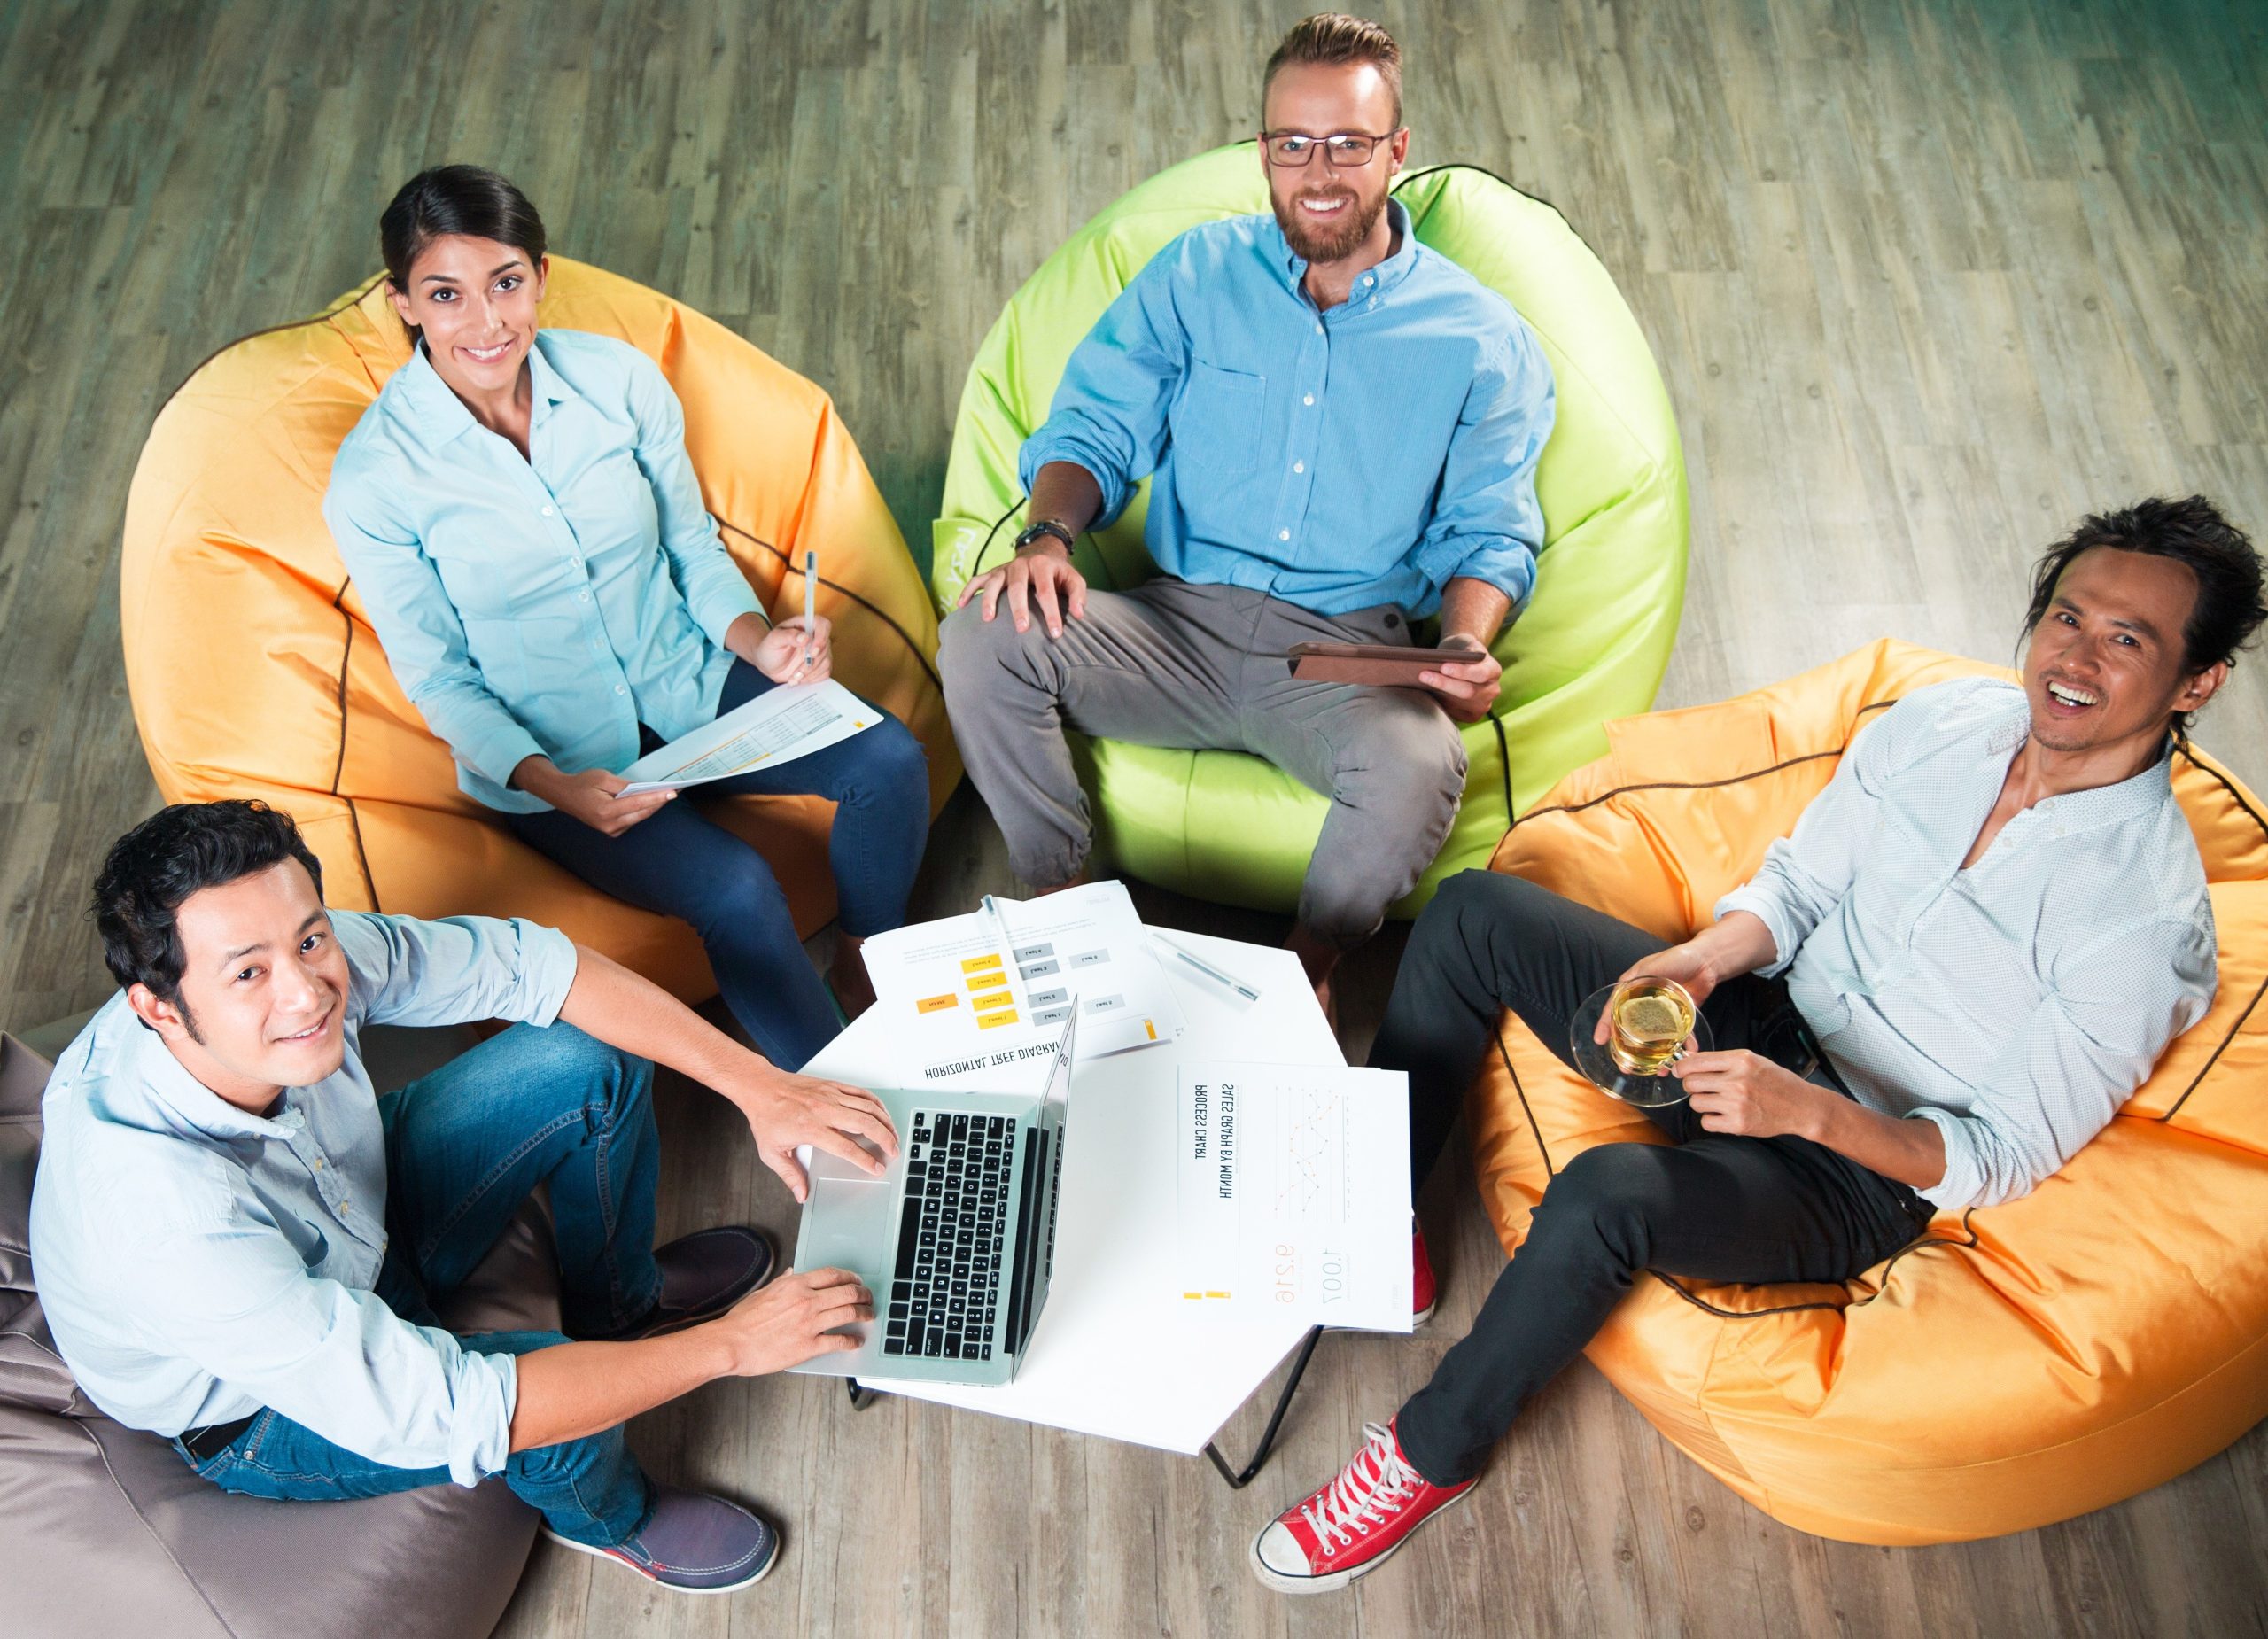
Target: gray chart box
x=1106 y=1004
x=1054 y=1015
x=1037 y=970
x=1090 y=958
x=1033 y=952
x=1049 y=999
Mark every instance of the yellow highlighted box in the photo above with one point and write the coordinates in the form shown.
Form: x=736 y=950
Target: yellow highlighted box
x=935 y=1003
x=986 y=1021
x=978 y=964
x=986 y=981
x=992 y=999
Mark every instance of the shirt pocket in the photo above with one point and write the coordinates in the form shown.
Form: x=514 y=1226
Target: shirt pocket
x=610 y=505
x=1216 y=422
x=474 y=569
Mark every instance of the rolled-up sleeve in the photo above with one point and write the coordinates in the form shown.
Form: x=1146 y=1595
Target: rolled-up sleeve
x=418 y=625
x=237 y=1301
x=1109 y=412
x=716 y=593
x=1806 y=873
x=2112 y=1008
x=1487 y=525
x=455 y=970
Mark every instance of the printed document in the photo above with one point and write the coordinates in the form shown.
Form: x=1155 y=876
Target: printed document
x=778 y=725
x=969 y=995
x=1294 y=1193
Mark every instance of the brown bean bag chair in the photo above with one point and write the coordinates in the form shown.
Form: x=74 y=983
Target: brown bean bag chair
x=109 y=1533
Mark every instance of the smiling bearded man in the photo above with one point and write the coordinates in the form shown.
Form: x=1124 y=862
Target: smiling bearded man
x=1341 y=429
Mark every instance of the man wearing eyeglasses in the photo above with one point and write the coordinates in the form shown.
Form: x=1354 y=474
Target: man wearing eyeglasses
x=1341 y=429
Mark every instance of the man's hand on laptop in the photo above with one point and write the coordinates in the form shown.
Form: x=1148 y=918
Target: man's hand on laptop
x=1035 y=578
x=1467 y=689
x=784 y=1110
x=793 y=1319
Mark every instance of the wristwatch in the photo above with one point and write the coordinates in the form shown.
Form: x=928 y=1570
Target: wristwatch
x=1047 y=526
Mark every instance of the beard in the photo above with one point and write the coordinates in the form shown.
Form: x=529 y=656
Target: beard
x=1328 y=242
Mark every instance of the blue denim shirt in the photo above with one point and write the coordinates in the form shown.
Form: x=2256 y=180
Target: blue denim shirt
x=199 y=1262
x=2017 y=1004
x=550 y=604
x=1337 y=459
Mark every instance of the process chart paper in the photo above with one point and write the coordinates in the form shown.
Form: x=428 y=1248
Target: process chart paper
x=1292 y=1192
x=972 y=996
x=777 y=727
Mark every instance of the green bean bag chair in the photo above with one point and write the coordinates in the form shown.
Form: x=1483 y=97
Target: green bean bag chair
x=1597 y=634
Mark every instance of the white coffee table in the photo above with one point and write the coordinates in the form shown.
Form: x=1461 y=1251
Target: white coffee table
x=1117 y=1352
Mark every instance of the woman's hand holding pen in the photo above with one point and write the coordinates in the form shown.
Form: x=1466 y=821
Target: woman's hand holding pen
x=798 y=651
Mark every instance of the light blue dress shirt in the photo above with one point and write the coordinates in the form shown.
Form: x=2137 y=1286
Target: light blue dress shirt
x=2017 y=1004
x=546 y=605
x=1337 y=459
x=198 y=1263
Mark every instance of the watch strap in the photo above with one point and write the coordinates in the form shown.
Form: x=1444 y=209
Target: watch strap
x=1047 y=526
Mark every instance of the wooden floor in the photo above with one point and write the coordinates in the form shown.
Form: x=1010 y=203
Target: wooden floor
x=1927 y=280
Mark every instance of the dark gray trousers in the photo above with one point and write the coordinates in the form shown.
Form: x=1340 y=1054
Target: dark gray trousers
x=1197 y=667
x=1714 y=1206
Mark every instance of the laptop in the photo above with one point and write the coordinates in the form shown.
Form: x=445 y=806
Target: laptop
x=956 y=1240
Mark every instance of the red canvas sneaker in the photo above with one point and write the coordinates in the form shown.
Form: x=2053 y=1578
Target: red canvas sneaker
x=1351 y=1527
x=1421 y=1280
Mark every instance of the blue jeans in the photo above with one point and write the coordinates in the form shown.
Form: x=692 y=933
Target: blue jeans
x=464 y=1147
x=680 y=863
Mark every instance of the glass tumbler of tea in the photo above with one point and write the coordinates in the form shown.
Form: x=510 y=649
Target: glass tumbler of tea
x=1650 y=1022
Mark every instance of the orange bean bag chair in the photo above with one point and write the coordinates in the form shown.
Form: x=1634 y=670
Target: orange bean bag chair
x=254 y=673
x=2023 y=1362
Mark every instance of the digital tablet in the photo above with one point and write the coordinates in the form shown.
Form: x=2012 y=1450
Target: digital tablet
x=1388 y=665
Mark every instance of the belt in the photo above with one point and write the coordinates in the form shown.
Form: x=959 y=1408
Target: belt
x=207 y=1442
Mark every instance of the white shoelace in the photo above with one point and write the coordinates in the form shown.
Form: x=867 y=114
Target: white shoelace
x=1375 y=1483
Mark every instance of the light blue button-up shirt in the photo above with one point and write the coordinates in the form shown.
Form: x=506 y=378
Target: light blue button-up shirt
x=198 y=1262
x=2019 y=1003
x=1337 y=459
x=546 y=605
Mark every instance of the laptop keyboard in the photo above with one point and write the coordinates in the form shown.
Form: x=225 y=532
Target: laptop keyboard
x=945 y=1289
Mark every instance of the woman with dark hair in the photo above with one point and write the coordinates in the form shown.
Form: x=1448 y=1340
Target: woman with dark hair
x=520 y=512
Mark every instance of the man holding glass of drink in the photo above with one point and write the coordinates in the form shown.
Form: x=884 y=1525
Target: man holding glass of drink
x=1972 y=948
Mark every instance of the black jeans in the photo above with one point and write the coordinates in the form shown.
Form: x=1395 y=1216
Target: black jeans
x=1714 y=1206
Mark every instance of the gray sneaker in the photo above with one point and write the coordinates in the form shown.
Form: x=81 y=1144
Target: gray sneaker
x=695 y=1543
x=703 y=1274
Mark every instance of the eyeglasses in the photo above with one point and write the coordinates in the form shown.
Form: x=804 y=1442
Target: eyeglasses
x=1347 y=151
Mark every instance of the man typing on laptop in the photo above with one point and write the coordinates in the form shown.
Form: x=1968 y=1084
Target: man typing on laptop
x=239 y=1244
x=1341 y=428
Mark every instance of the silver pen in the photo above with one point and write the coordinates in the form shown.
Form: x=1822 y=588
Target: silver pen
x=1228 y=980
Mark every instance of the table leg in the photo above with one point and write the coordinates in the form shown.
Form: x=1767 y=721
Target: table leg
x=1238 y=1480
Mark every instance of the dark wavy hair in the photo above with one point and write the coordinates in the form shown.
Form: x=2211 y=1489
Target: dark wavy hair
x=175 y=852
x=469 y=200
x=2228 y=610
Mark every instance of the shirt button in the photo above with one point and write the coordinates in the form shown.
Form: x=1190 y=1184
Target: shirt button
x=1283 y=534
x=575 y=562
x=1309 y=400
x=582 y=597
x=1299 y=466
x=620 y=689
x=546 y=512
x=318 y=1163
x=1318 y=327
